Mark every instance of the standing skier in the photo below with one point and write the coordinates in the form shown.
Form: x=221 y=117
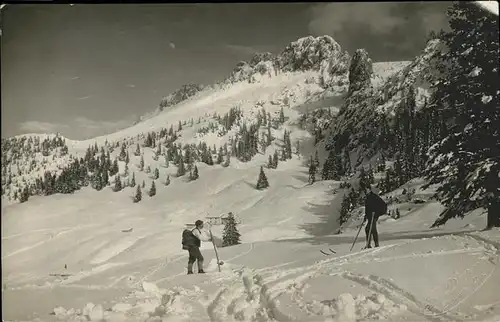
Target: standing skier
x=374 y=208
x=191 y=241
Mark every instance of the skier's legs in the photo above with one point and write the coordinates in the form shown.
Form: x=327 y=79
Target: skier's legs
x=192 y=259
x=375 y=233
x=367 y=231
x=200 y=264
x=198 y=257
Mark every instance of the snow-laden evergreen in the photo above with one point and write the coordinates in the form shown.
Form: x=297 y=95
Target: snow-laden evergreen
x=230 y=234
x=466 y=162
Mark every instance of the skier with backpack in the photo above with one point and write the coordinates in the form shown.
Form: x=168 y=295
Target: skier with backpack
x=191 y=241
x=375 y=207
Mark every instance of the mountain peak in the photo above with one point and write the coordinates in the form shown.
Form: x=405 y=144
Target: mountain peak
x=314 y=53
x=322 y=54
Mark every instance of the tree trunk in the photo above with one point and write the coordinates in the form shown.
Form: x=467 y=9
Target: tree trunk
x=493 y=214
x=493 y=196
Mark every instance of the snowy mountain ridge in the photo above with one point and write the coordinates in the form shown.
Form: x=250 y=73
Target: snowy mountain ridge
x=321 y=54
x=308 y=72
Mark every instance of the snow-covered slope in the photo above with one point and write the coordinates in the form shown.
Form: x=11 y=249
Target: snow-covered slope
x=491 y=6
x=277 y=273
x=95 y=255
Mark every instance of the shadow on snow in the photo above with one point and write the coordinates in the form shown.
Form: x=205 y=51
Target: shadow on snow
x=328 y=214
x=340 y=239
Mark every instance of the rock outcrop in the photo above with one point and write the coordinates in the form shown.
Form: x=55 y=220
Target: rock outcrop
x=360 y=71
x=358 y=126
x=321 y=54
x=183 y=93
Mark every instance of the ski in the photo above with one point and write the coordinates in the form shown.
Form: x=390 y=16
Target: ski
x=61 y=277
x=327 y=254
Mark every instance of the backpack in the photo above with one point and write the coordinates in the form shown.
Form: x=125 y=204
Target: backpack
x=189 y=239
x=381 y=206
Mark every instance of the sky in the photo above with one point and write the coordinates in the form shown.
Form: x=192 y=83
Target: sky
x=90 y=69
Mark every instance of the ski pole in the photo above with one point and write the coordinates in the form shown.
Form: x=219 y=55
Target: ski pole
x=215 y=249
x=361 y=226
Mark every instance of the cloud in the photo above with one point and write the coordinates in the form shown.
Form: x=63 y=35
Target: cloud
x=241 y=49
x=401 y=26
x=172 y=45
x=44 y=127
x=333 y=17
x=90 y=128
x=131 y=85
x=75 y=78
x=79 y=128
x=250 y=50
x=92 y=124
x=84 y=97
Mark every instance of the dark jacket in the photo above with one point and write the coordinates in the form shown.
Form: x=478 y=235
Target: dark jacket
x=374 y=204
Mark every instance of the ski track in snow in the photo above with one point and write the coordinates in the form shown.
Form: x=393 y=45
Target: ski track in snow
x=294 y=280
x=114 y=249
x=381 y=285
x=241 y=254
x=494 y=245
x=255 y=295
x=34 y=231
x=157 y=268
x=267 y=294
x=51 y=237
x=94 y=271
